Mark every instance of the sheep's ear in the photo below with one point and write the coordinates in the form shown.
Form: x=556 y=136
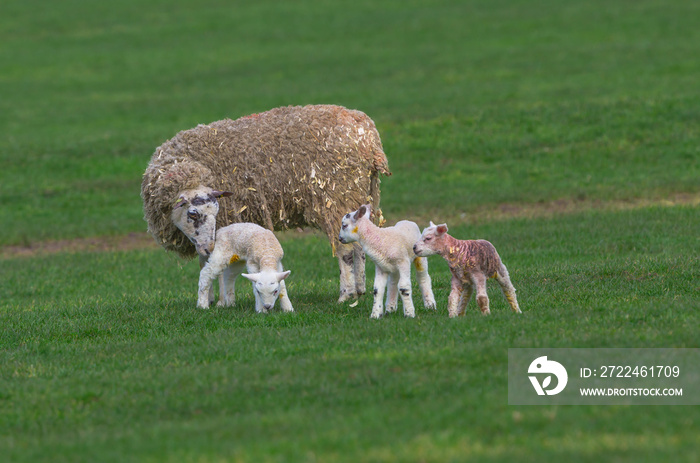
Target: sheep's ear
x=254 y=277
x=282 y=275
x=181 y=201
x=442 y=229
x=221 y=194
x=432 y=224
x=361 y=212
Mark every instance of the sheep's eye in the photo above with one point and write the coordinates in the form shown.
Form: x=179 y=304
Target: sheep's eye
x=193 y=215
x=345 y=226
x=428 y=238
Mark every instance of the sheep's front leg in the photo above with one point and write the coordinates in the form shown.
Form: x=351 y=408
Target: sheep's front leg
x=380 y=280
x=424 y=282
x=346 y=261
x=482 y=298
x=211 y=270
x=405 y=290
x=227 y=282
x=285 y=303
x=464 y=298
x=453 y=299
x=392 y=293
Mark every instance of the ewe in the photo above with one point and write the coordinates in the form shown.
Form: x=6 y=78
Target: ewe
x=284 y=168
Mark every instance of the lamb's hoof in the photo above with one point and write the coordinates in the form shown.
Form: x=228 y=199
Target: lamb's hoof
x=391 y=309
x=431 y=306
x=410 y=315
x=376 y=316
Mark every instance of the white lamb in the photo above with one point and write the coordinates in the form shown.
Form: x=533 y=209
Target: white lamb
x=391 y=249
x=249 y=246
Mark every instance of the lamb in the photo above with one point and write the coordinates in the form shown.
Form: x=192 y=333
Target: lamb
x=391 y=250
x=250 y=246
x=471 y=262
x=285 y=168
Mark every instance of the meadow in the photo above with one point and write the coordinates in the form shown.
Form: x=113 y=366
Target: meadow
x=566 y=133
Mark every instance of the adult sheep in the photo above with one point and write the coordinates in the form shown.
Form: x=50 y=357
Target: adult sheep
x=284 y=168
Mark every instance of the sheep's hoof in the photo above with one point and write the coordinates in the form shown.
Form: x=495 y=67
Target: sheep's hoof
x=391 y=309
x=409 y=315
x=376 y=316
x=346 y=297
x=431 y=306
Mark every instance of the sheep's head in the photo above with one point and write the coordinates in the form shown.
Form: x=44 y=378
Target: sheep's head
x=266 y=286
x=431 y=241
x=348 y=228
x=194 y=214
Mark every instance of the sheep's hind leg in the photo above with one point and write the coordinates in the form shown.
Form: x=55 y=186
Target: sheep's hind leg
x=359 y=269
x=202 y=262
x=227 y=282
x=424 y=282
x=392 y=293
x=347 y=274
x=507 y=287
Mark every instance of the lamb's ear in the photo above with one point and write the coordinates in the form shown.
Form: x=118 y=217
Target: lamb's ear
x=254 y=277
x=442 y=229
x=282 y=275
x=432 y=224
x=221 y=194
x=361 y=212
x=181 y=201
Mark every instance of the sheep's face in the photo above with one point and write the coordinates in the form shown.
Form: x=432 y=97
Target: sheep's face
x=349 y=232
x=267 y=286
x=195 y=215
x=431 y=241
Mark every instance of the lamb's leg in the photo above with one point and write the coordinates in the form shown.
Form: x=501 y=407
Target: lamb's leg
x=347 y=275
x=202 y=262
x=285 y=303
x=227 y=290
x=380 y=280
x=507 y=287
x=359 y=269
x=211 y=270
x=405 y=289
x=453 y=299
x=464 y=299
x=392 y=293
x=424 y=283
x=482 y=298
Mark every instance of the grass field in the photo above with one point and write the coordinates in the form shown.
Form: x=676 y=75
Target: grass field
x=566 y=133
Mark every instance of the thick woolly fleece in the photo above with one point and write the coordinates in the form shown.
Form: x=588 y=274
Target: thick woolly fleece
x=249 y=246
x=288 y=167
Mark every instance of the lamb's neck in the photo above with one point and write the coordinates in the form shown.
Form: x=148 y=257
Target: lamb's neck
x=268 y=263
x=453 y=250
x=370 y=237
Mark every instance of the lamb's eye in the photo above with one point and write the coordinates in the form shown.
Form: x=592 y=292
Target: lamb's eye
x=428 y=238
x=345 y=226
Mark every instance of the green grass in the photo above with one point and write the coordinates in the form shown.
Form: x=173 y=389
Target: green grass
x=482 y=105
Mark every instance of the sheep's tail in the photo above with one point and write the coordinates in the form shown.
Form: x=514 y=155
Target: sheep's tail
x=381 y=166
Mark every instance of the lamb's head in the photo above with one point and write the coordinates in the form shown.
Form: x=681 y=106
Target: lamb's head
x=266 y=285
x=432 y=241
x=348 y=228
x=194 y=213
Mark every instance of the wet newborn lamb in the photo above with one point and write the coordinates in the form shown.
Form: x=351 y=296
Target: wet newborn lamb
x=249 y=246
x=390 y=249
x=471 y=262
